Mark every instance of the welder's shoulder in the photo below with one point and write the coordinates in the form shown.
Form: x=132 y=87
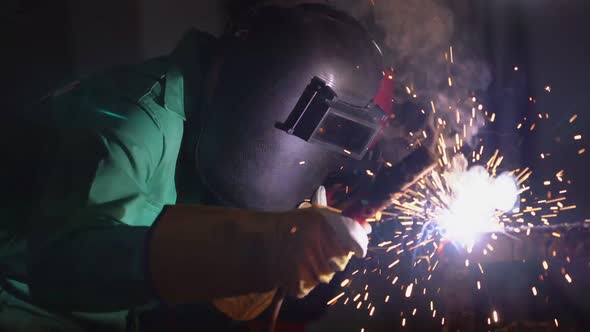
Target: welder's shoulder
x=134 y=88
x=125 y=101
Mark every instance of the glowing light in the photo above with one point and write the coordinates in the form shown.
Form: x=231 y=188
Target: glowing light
x=451 y=52
x=568 y=278
x=534 y=289
x=332 y=301
x=393 y=264
x=409 y=290
x=495 y=316
x=378 y=215
x=476 y=198
x=577 y=137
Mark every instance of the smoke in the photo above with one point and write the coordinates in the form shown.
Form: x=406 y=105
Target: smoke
x=417 y=36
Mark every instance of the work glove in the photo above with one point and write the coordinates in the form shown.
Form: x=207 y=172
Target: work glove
x=198 y=253
x=248 y=307
x=336 y=221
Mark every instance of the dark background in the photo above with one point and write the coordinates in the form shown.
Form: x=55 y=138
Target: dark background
x=44 y=42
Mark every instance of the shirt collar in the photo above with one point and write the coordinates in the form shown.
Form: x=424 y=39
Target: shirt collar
x=174 y=91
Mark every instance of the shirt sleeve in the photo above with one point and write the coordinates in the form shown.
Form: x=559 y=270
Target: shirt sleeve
x=86 y=245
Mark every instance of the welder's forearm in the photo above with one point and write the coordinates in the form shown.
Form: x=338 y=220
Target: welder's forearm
x=96 y=270
x=201 y=253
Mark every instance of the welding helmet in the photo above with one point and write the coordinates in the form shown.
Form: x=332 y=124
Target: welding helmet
x=294 y=95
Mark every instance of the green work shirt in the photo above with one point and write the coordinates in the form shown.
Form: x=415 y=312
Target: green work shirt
x=113 y=168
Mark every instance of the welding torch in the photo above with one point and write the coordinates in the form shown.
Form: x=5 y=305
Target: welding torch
x=366 y=202
x=389 y=182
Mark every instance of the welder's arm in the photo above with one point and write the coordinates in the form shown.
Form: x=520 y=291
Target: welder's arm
x=199 y=253
x=83 y=252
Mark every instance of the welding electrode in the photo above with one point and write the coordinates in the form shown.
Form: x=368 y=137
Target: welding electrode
x=388 y=182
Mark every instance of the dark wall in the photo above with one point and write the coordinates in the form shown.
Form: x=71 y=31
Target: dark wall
x=35 y=48
x=164 y=22
x=44 y=42
x=103 y=33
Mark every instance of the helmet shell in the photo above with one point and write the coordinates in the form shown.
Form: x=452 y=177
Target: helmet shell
x=269 y=57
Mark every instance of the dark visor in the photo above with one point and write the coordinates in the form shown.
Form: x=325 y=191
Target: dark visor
x=319 y=117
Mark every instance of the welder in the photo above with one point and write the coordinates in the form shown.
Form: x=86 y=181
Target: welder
x=176 y=181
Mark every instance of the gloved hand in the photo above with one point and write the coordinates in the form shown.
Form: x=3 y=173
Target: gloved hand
x=201 y=253
x=342 y=227
x=319 y=247
x=249 y=306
